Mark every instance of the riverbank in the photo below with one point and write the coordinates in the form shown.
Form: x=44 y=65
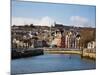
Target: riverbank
x=20 y=53
x=25 y=53
x=62 y=52
x=85 y=53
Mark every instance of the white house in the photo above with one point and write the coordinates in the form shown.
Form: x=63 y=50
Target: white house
x=91 y=45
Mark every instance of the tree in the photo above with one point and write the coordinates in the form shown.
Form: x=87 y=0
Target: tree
x=31 y=25
x=87 y=36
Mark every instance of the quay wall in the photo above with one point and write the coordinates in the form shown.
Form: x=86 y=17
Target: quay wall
x=89 y=53
x=25 y=53
x=84 y=53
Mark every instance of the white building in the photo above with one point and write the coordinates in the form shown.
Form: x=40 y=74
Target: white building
x=91 y=45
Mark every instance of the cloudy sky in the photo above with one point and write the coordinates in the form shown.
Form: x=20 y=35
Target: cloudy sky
x=47 y=13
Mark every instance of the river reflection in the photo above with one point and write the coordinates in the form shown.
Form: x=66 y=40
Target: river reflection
x=51 y=63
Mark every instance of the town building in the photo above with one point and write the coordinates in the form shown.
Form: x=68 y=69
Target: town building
x=91 y=45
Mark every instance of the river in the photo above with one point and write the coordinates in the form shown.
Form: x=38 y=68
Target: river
x=51 y=63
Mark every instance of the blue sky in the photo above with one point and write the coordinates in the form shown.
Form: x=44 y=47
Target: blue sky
x=68 y=14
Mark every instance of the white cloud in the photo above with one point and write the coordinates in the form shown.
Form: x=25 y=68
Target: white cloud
x=79 y=21
x=48 y=21
x=45 y=21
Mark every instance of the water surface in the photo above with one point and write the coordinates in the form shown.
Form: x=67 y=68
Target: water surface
x=51 y=63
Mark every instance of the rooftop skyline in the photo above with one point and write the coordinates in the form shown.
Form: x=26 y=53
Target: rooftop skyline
x=39 y=13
